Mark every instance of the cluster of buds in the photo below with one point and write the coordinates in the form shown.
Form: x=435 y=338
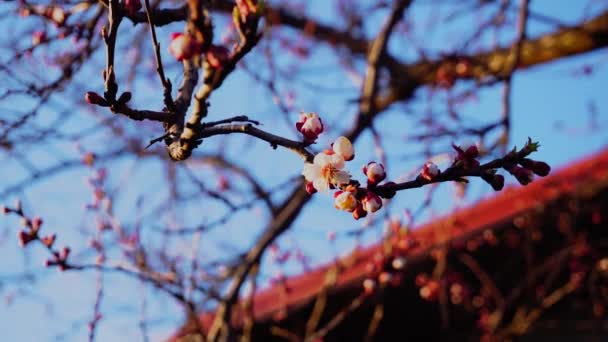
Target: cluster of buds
x=59 y=259
x=310 y=125
x=358 y=201
x=466 y=157
x=184 y=46
x=326 y=172
x=132 y=6
x=525 y=173
x=384 y=270
x=31 y=233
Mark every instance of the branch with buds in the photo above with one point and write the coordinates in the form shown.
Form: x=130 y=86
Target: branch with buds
x=326 y=172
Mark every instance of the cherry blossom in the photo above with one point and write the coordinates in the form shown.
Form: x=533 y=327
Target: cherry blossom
x=325 y=171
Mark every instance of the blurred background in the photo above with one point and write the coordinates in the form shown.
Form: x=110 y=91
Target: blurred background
x=164 y=230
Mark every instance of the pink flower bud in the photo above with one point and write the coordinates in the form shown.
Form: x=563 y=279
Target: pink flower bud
x=6 y=210
x=132 y=6
x=56 y=14
x=375 y=172
x=217 y=56
x=345 y=200
x=65 y=252
x=371 y=202
x=183 y=46
x=48 y=240
x=38 y=37
x=429 y=171
x=36 y=223
x=310 y=188
x=94 y=98
x=343 y=147
x=466 y=157
x=25 y=237
x=310 y=125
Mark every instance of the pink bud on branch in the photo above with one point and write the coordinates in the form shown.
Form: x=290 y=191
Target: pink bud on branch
x=310 y=125
x=375 y=172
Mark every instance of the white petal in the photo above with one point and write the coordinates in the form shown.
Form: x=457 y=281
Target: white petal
x=336 y=161
x=311 y=172
x=322 y=159
x=320 y=184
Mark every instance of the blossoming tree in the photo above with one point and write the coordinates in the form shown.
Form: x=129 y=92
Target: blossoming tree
x=197 y=95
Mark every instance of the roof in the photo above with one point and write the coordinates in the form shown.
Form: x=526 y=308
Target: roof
x=501 y=209
x=487 y=213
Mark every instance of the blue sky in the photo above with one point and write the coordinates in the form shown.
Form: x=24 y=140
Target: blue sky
x=550 y=103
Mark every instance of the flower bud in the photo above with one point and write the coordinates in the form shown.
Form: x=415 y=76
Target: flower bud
x=183 y=46
x=466 y=157
x=132 y=6
x=523 y=175
x=310 y=188
x=96 y=99
x=56 y=14
x=65 y=252
x=344 y=147
x=38 y=37
x=125 y=97
x=541 y=168
x=498 y=182
x=429 y=171
x=48 y=240
x=217 y=56
x=310 y=125
x=371 y=202
x=36 y=223
x=345 y=200
x=25 y=237
x=375 y=172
